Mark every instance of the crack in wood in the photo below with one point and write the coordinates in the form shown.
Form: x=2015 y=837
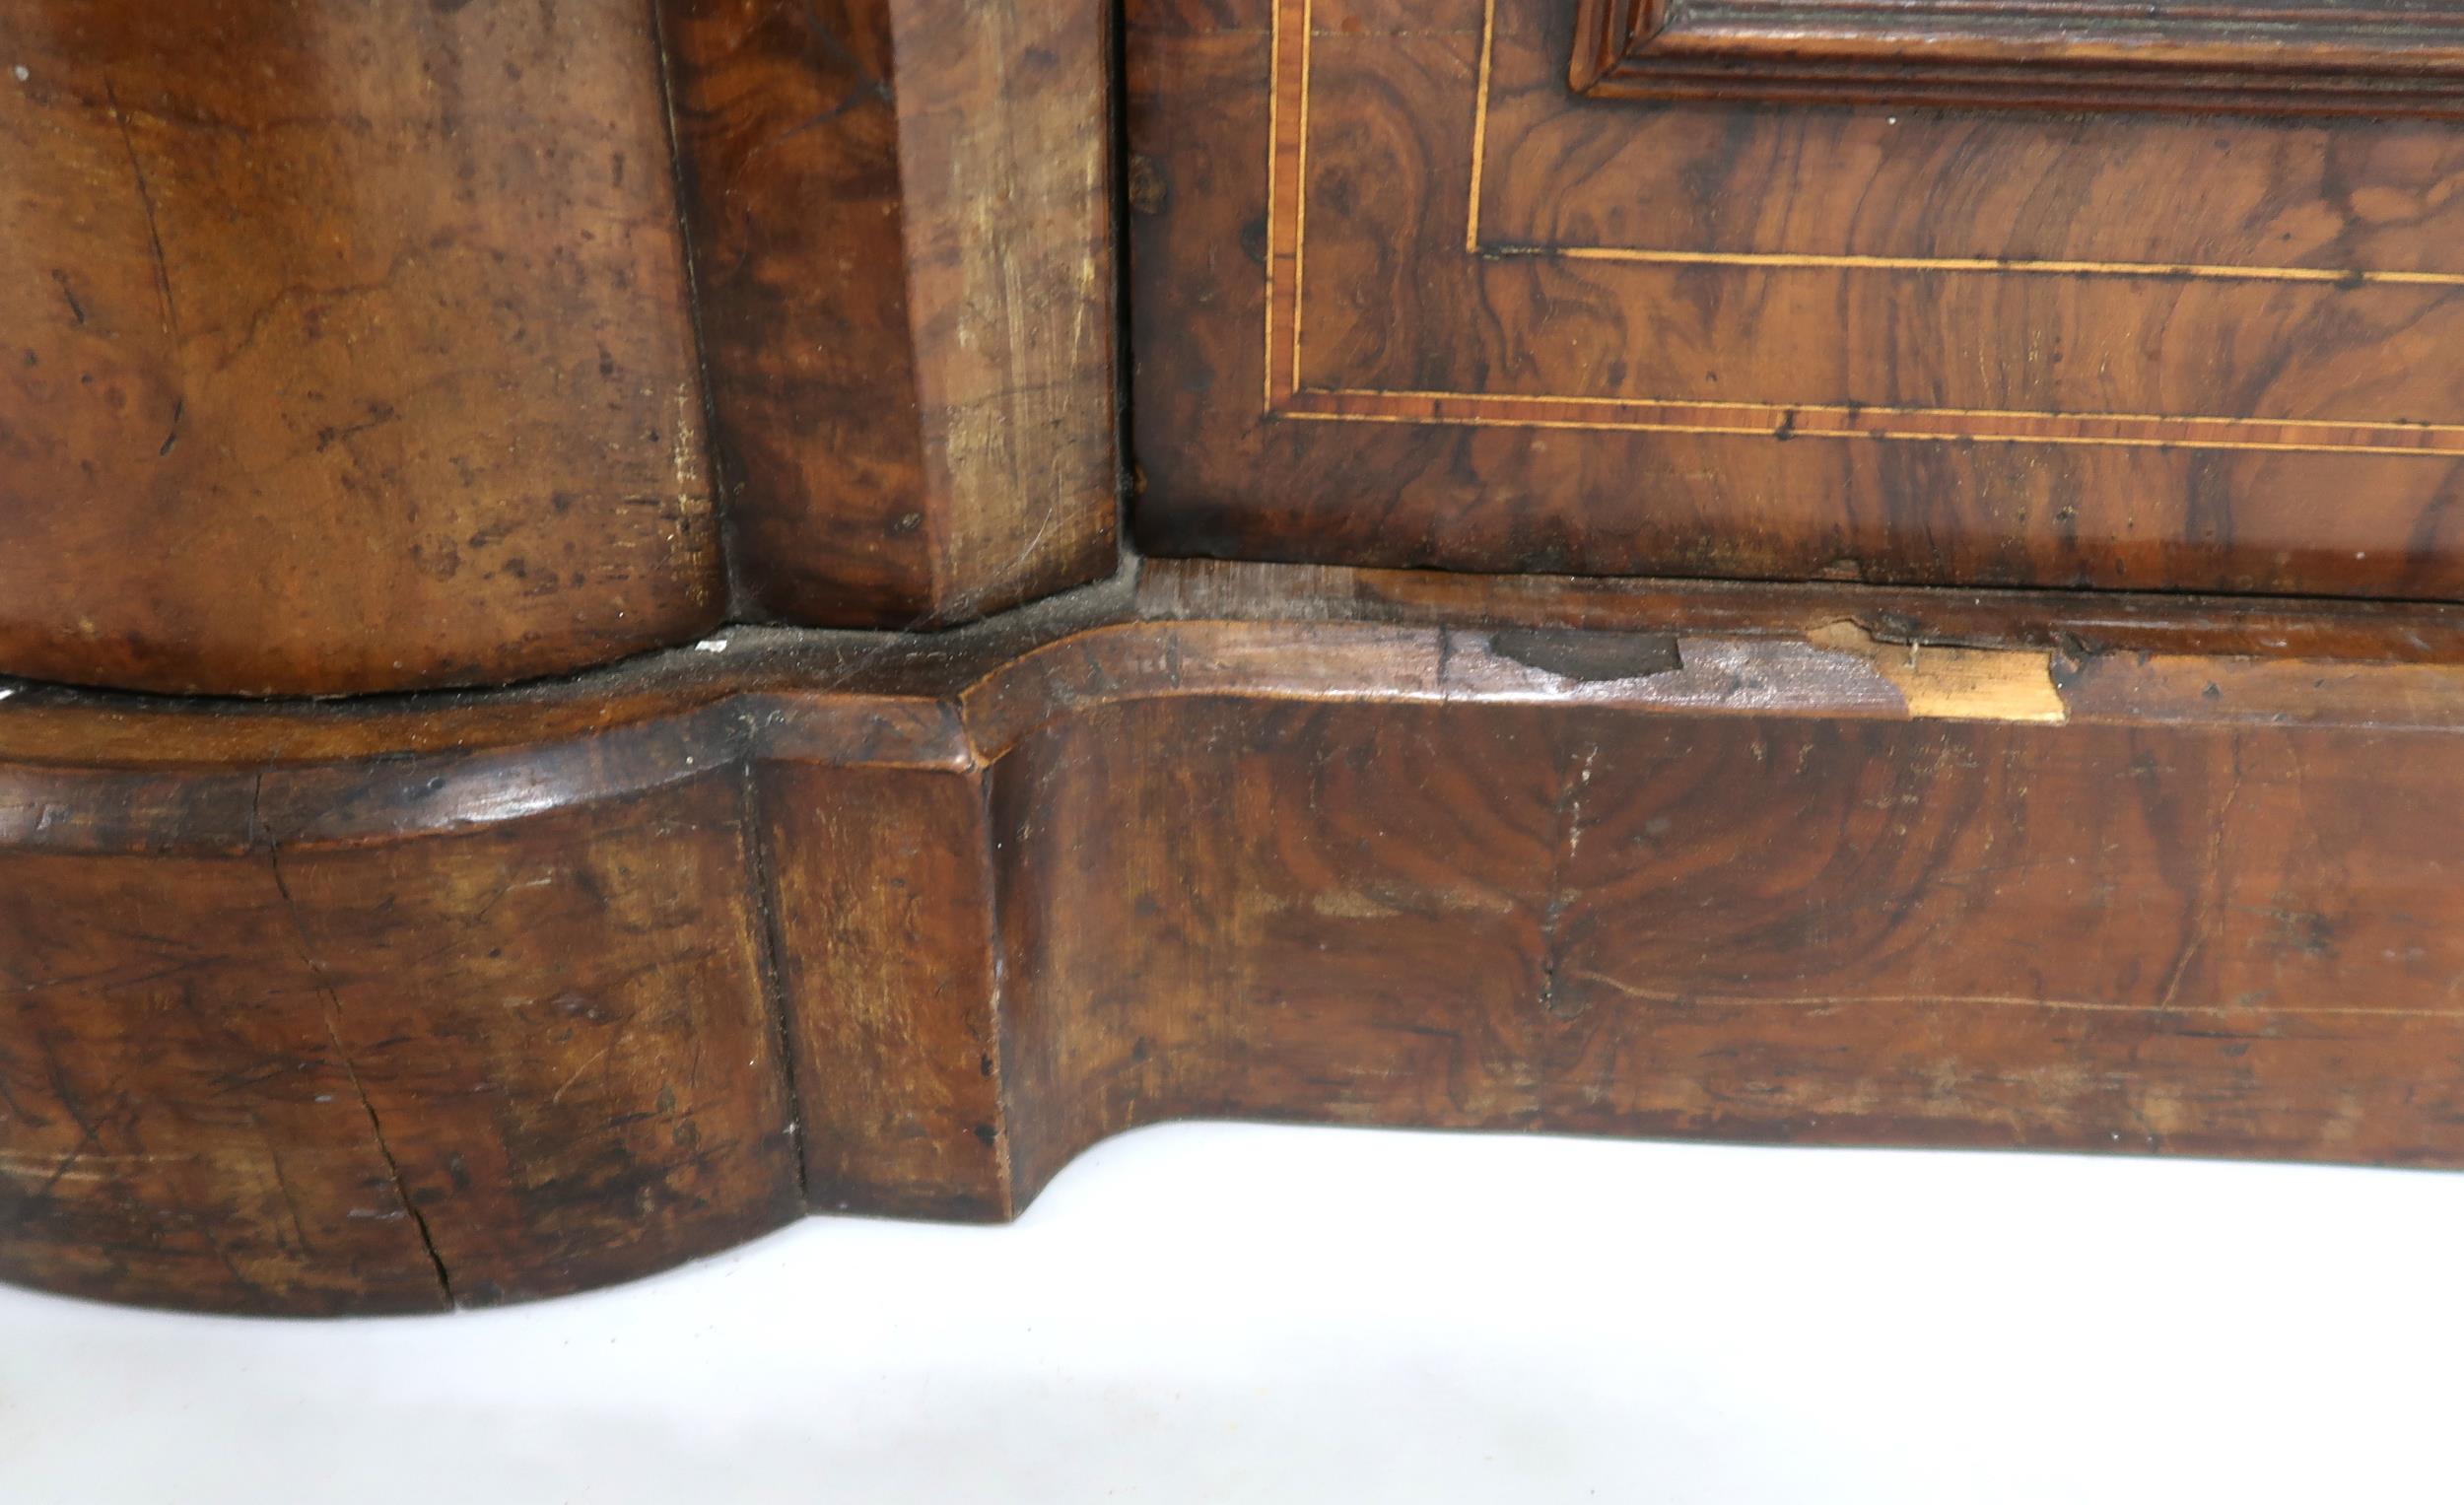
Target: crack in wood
x=323 y=984
x=770 y=954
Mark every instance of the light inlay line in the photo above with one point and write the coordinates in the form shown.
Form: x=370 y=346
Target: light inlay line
x=2183 y=272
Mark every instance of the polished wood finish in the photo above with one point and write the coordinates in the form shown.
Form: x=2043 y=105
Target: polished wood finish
x=1401 y=299
x=2264 y=56
x=348 y=349
x=901 y=226
x=361 y=348
x=342 y=347
x=275 y=1048
x=399 y=1003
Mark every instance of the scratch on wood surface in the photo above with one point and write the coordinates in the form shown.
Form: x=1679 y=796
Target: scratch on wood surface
x=770 y=943
x=145 y=202
x=1566 y=838
x=2004 y=1000
x=81 y=1163
x=685 y=452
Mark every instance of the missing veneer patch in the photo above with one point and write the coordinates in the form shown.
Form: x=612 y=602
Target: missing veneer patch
x=1589 y=658
x=1970 y=684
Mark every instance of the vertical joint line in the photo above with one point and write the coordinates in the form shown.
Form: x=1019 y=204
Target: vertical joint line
x=770 y=949
x=1300 y=187
x=680 y=185
x=995 y=889
x=1118 y=163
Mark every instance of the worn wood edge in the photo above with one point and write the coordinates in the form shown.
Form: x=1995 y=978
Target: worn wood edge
x=2079 y=622
x=1026 y=448
x=399 y=766
x=977 y=341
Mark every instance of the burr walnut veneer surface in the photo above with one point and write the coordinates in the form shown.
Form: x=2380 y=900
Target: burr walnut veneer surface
x=1403 y=295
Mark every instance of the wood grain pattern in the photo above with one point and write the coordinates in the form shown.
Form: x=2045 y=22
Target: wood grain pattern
x=2257 y=56
x=886 y=953
x=249 y=1064
x=342 y=348
x=349 y=350
x=393 y=1004
x=1489 y=326
x=902 y=226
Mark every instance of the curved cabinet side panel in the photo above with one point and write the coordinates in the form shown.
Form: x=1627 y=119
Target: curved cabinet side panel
x=342 y=348
x=277 y=1074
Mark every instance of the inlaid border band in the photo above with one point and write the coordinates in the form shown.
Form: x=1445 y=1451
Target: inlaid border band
x=1291 y=32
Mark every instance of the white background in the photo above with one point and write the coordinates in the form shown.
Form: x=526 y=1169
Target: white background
x=1211 y=1313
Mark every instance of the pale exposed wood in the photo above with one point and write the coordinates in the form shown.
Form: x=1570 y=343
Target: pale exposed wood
x=1975 y=684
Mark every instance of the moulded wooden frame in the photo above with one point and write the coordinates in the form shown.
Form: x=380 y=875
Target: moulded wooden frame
x=2265 y=58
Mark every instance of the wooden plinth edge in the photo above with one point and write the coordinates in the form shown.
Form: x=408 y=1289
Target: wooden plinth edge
x=408 y=1003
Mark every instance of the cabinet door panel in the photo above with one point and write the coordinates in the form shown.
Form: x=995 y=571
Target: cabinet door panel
x=1469 y=284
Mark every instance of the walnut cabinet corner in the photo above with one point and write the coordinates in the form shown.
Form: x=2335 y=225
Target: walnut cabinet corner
x=620 y=622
